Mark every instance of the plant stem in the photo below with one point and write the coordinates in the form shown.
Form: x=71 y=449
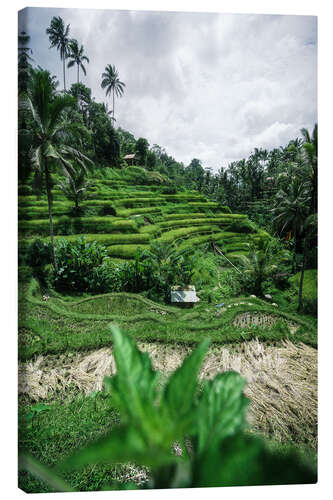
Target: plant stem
x=49 y=204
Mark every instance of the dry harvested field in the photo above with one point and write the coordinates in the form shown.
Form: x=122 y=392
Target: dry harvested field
x=282 y=380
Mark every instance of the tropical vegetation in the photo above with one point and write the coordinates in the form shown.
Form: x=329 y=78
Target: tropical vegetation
x=102 y=243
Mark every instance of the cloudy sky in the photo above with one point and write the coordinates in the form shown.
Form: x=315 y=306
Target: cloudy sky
x=207 y=86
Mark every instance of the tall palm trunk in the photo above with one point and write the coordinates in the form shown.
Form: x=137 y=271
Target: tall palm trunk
x=63 y=66
x=300 y=291
x=49 y=204
x=295 y=248
x=314 y=201
x=78 y=69
x=113 y=106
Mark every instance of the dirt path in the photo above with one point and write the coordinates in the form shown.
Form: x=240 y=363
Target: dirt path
x=282 y=381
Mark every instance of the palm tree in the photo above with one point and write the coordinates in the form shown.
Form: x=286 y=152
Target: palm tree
x=24 y=61
x=75 y=187
x=292 y=213
x=292 y=208
x=110 y=81
x=309 y=234
x=76 y=56
x=58 y=35
x=48 y=135
x=106 y=110
x=263 y=260
x=310 y=151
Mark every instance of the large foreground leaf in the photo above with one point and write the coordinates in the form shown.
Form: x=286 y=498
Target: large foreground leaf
x=133 y=388
x=243 y=460
x=179 y=394
x=221 y=411
x=123 y=444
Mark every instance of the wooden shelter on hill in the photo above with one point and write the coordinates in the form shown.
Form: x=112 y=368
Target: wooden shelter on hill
x=130 y=158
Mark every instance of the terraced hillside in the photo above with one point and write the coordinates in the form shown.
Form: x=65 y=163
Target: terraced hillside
x=125 y=216
x=65 y=344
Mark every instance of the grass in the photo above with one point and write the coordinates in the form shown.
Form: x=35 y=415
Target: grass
x=65 y=425
x=125 y=251
x=88 y=225
x=57 y=326
x=192 y=221
x=310 y=283
x=276 y=375
x=176 y=234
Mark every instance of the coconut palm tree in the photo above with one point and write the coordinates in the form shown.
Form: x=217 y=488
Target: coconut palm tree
x=292 y=208
x=292 y=213
x=59 y=38
x=24 y=60
x=76 y=56
x=309 y=235
x=111 y=82
x=262 y=262
x=310 y=150
x=106 y=110
x=75 y=187
x=48 y=135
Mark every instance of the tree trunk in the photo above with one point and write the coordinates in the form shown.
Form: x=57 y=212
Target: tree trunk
x=78 y=72
x=295 y=249
x=49 y=203
x=63 y=64
x=300 y=291
x=113 y=106
x=314 y=201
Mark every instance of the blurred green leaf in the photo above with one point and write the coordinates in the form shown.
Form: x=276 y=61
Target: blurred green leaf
x=28 y=463
x=243 y=460
x=123 y=444
x=180 y=391
x=133 y=388
x=221 y=410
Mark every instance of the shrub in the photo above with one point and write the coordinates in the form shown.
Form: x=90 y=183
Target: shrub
x=103 y=225
x=108 y=209
x=38 y=254
x=108 y=277
x=124 y=251
x=24 y=274
x=242 y=226
x=224 y=209
x=310 y=289
x=24 y=190
x=76 y=263
x=64 y=225
x=169 y=190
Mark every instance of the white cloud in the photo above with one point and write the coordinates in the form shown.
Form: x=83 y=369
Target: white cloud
x=210 y=86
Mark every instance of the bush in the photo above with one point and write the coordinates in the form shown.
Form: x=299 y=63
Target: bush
x=108 y=209
x=76 y=262
x=108 y=277
x=310 y=289
x=103 y=225
x=38 y=254
x=64 y=225
x=242 y=226
x=24 y=190
x=24 y=274
x=169 y=190
x=224 y=209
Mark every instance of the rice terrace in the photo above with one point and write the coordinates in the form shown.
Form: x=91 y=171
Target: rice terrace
x=121 y=387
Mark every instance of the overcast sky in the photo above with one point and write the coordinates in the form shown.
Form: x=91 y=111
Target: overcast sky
x=207 y=86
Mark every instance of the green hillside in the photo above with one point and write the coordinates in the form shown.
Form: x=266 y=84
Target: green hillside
x=142 y=213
